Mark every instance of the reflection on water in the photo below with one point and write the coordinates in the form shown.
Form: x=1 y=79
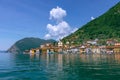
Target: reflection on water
x=60 y=62
x=59 y=67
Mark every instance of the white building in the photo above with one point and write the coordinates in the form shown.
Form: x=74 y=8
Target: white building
x=41 y=46
x=96 y=50
x=60 y=44
x=92 y=42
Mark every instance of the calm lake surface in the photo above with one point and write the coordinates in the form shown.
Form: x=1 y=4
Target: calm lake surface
x=59 y=67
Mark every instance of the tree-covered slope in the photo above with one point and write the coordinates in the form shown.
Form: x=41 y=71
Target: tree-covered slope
x=104 y=27
x=28 y=43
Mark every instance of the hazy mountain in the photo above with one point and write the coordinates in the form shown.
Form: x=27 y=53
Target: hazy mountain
x=28 y=43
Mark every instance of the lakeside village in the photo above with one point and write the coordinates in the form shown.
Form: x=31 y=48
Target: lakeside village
x=89 y=47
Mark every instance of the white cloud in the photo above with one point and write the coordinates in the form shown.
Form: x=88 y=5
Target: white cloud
x=92 y=18
x=59 y=30
x=62 y=28
x=57 y=13
x=47 y=36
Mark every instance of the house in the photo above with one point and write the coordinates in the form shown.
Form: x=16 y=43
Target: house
x=95 y=49
x=117 y=48
x=117 y=44
x=42 y=46
x=49 y=45
x=37 y=51
x=111 y=42
x=67 y=43
x=32 y=51
x=82 y=49
x=60 y=44
x=92 y=42
x=109 y=49
x=102 y=49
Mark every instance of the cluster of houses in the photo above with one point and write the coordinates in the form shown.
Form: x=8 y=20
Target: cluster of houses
x=90 y=47
x=112 y=46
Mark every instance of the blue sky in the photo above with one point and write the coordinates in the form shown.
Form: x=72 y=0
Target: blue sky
x=31 y=18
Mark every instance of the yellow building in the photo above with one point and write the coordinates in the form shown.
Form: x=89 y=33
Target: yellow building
x=117 y=48
x=32 y=51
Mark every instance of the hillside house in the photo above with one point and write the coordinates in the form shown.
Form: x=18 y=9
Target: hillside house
x=110 y=42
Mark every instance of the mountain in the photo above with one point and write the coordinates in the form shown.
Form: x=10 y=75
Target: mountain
x=106 y=26
x=28 y=43
x=1 y=51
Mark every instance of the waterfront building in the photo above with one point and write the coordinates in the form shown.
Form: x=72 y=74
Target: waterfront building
x=60 y=44
x=102 y=49
x=117 y=48
x=32 y=51
x=26 y=52
x=37 y=51
x=95 y=49
x=117 y=44
x=82 y=49
x=42 y=46
x=109 y=49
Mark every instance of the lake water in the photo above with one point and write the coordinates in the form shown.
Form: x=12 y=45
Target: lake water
x=59 y=67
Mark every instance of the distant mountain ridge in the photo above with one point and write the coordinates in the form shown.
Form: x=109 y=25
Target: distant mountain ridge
x=27 y=44
x=2 y=51
x=106 y=26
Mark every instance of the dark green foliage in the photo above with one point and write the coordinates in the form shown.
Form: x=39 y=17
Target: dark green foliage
x=104 y=27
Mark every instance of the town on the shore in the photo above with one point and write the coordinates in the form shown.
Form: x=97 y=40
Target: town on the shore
x=111 y=46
